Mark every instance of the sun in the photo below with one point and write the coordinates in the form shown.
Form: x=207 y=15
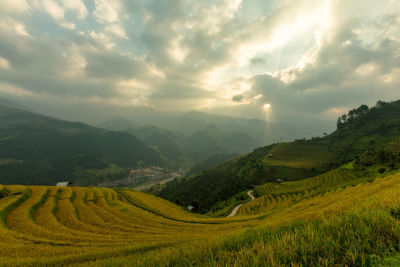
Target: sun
x=267 y=106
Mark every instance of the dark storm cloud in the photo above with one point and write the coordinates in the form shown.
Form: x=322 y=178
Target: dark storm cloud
x=258 y=61
x=111 y=65
x=237 y=98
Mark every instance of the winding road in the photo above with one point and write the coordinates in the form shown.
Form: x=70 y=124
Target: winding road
x=235 y=210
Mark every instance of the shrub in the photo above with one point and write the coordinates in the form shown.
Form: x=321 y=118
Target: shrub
x=4 y=192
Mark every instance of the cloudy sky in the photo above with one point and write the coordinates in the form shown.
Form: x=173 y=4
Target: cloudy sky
x=307 y=58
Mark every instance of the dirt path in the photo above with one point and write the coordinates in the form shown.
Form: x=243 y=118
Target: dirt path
x=235 y=210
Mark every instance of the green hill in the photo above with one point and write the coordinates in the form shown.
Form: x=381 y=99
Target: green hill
x=36 y=149
x=296 y=160
x=210 y=162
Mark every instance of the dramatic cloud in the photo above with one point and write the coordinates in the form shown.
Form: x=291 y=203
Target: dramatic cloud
x=308 y=58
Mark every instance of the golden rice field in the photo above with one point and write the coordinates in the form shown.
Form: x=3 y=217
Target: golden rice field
x=272 y=195
x=290 y=226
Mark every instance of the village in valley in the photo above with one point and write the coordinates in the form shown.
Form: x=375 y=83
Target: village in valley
x=144 y=178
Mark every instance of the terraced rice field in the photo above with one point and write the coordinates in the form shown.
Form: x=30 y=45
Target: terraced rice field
x=54 y=226
x=274 y=195
x=70 y=225
x=299 y=155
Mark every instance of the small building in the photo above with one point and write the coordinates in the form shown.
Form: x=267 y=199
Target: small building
x=270 y=155
x=278 y=181
x=190 y=208
x=64 y=184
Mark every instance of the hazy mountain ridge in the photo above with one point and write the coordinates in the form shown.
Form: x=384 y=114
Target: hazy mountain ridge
x=118 y=124
x=197 y=136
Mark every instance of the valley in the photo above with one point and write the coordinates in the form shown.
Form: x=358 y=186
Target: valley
x=144 y=178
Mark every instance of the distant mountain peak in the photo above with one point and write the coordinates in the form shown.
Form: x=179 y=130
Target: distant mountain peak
x=118 y=124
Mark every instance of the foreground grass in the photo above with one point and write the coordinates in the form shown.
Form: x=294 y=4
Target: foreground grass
x=359 y=227
x=358 y=238
x=48 y=226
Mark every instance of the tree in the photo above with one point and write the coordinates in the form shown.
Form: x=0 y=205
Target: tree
x=339 y=123
x=4 y=192
x=362 y=109
x=352 y=113
x=380 y=104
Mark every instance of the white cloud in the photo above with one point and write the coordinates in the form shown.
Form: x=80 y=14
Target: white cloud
x=106 y=11
x=67 y=25
x=58 y=8
x=13 y=6
x=210 y=16
x=77 y=6
x=103 y=39
x=177 y=51
x=4 y=63
x=392 y=77
x=117 y=30
x=135 y=91
x=75 y=62
x=367 y=69
x=53 y=8
x=14 y=90
x=13 y=26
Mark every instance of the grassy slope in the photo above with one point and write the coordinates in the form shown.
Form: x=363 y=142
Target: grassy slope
x=290 y=161
x=335 y=228
x=297 y=155
x=103 y=227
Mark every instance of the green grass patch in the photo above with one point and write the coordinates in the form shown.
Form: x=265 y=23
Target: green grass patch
x=7 y=161
x=56 y=198
x=299 y=155
x=393 y=261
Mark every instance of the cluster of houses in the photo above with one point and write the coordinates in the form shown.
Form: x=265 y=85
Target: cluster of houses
x=143 y=175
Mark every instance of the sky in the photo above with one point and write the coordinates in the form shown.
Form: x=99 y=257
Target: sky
x=306 y=58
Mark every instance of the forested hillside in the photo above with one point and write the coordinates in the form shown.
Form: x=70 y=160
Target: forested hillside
x=36 y=149
x=356 y=132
